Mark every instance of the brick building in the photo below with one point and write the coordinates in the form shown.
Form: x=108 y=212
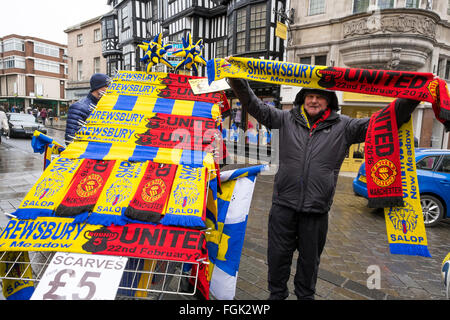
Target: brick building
x=33 y=72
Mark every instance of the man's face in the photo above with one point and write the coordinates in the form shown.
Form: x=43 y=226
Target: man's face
x=100 y=92
x=315 y=104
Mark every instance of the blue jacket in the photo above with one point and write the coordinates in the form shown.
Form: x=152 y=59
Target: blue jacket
x=79 y=111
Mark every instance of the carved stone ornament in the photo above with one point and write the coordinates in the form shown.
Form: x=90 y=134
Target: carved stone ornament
x=399 y=23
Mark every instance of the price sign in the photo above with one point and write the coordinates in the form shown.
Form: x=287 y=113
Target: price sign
x=73 y=276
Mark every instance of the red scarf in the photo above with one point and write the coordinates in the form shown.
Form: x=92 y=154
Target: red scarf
x=85 y=188
x=150 y=199
x=383 y=170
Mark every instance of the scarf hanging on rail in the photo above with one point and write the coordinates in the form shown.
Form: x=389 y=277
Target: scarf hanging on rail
x=47 y=193
x=187 y=200
x=150 y=199
x=85 y=189
x=117 y=193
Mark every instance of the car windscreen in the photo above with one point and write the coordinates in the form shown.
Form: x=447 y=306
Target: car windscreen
x=22 y=117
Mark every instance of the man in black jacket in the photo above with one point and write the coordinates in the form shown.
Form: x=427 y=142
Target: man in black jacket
x=314 y=141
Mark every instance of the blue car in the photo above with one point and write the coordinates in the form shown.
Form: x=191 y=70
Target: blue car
x=433 y=173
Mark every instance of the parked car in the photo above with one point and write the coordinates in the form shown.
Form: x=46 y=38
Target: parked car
x=433 y=175
x=22 y=124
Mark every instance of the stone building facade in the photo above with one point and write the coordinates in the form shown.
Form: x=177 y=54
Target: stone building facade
x=84 y=56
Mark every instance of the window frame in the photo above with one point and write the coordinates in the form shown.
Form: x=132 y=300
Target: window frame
x=320 y=7
x=435 y=163
x=79 y=70
x=254 y=27
x=79 y=40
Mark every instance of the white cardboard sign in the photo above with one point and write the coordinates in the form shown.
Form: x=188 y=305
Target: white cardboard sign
x=73 y=276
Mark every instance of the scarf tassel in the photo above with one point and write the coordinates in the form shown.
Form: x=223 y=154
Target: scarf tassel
x=386 y=202
x=409 y=249
x=183 y=221
x=32 y=214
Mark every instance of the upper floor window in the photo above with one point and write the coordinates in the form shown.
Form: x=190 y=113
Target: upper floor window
x=80 y=70
x=108 y=28
x=258 y=27
x=96 y=64
x=316 y=7
x=97 y=35
x=385 y=4
x=154 y=10
x=365 y=5
x=125 y=18
x=47 y=66
x=13 y=45
x=241 y=23
x=46 y=49
x=412 y=3
x=12 y=62
x=79 y=40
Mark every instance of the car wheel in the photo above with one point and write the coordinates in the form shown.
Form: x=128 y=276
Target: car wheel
x=432 y=210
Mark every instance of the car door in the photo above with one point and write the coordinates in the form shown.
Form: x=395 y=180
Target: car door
x=441 y=179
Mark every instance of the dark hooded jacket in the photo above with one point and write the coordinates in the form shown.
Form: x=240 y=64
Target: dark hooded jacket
x=309 y=162
x=79 y=111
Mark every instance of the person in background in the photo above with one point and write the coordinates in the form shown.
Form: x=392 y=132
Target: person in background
x=50 y=116
x=80 y=110
x=43 y=115
x=4 y=127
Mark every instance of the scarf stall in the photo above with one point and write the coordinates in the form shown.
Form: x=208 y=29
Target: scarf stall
x=135 y=180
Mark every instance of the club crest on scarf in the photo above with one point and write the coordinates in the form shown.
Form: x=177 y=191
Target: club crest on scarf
x=119 y=191
x=186 y=194
x=89 y=185
x=49 y=186
x=153 y=190
x=403 y=219
x=383 y=173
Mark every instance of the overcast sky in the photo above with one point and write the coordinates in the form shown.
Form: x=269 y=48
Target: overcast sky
x=47 y=19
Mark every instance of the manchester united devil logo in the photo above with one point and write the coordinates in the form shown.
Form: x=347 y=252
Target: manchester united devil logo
x=383 y=173
x=153 y=190
x=89 y=185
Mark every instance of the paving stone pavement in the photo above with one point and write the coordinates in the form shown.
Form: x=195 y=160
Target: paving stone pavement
x=356 y=240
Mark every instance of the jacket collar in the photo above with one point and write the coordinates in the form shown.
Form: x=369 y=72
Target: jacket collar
x=296 y=111
x=91 y=97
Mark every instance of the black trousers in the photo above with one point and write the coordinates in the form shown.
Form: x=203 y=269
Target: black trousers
x=290 y=230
